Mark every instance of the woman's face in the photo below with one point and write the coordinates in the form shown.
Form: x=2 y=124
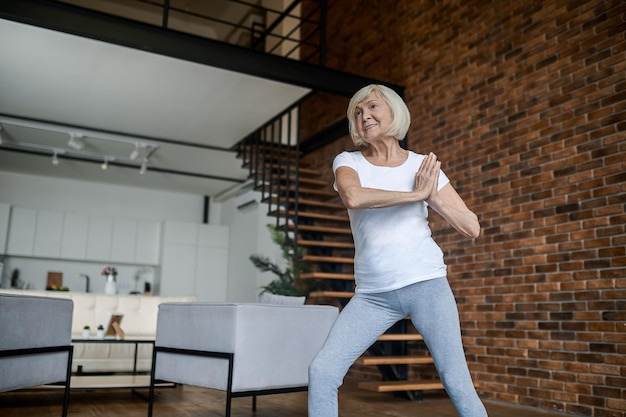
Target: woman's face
x=373 y=118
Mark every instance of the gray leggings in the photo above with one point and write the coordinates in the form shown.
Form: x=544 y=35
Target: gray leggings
x=432 y=308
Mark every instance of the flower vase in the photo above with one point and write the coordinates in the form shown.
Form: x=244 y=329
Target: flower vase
x=110 y=287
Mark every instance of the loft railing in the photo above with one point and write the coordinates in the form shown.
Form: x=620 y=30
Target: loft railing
x=272 y=156
x=292 y=29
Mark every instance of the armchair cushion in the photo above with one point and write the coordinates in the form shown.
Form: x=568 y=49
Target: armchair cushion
x=29 y=322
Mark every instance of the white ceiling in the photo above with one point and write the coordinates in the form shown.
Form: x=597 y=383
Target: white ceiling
x=67 y=80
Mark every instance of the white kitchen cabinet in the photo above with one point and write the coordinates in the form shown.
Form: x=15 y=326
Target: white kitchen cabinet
x=22 y=231
x=80 y=236
x=194 y=261
x=74 y=236
x=179 y=269
x=181 y=233
x=123 y=240
x=211 y=273
x=148 y=242
x=48 y=231
x=99 y=238
x=5 y=214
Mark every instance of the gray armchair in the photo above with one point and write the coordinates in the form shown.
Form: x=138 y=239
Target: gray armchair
x=35 y=346
x=244 y=349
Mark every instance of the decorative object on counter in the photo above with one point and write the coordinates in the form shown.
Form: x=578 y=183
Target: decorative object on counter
x=111 y=286
x=147 y=289
x=136 y=290
x=61 y=288
x=55 y=281
x=17 y=282
x=86 y=332
x=100 y=332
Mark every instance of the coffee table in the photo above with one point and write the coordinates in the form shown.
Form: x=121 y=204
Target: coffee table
x=109 y=381
x=113 y=381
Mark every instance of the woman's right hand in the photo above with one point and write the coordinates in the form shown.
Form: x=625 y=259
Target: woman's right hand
x=427 y=177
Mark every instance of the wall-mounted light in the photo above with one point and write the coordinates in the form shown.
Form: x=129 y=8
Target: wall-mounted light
x=55 y=159
x=105 y=164
x=135 y=153
x=76 y=141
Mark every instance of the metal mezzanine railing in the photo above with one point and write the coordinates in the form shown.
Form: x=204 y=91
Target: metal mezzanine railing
x=292 y=29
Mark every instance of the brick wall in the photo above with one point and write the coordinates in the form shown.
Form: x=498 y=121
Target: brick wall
x=525 y=104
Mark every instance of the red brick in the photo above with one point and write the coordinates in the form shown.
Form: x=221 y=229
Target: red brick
x=529 y=117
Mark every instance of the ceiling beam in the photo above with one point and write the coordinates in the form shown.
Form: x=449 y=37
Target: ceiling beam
x=124 y=32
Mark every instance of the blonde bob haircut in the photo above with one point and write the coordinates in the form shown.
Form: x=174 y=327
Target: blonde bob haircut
x=399 y=111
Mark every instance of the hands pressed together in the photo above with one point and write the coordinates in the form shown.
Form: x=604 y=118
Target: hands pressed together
x=427 y=178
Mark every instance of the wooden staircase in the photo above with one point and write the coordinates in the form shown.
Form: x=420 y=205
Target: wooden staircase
x=310 y=212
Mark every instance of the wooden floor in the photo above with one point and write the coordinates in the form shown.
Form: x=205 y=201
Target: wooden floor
x=187 y=401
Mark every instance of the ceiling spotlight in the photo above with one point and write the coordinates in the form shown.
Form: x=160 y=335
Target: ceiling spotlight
x=76 y=141
x=135 y=153
x=144 y=167
x=105 y=164
x=55 y=160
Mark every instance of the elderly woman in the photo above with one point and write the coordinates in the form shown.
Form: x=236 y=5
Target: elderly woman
x=399 y=269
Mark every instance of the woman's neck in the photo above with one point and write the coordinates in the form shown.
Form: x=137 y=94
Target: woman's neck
x=385 y=153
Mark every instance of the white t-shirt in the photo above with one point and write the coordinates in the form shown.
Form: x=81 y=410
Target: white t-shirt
x=393 y=245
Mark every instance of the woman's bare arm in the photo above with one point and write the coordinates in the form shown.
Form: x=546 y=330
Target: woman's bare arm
x=354 y=196
x=451 y=207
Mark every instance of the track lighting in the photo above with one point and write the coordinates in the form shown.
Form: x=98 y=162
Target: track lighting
x=135 y=153
x=105 y=164
x=144 y=167
x=55 y=160
x=76 y=141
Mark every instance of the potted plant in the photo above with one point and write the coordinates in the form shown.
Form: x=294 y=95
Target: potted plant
x=86 y=332
x=100 y=332
x=286 y=282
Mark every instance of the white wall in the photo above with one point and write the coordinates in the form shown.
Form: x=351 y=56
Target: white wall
x=248 y=233
x=97 y=198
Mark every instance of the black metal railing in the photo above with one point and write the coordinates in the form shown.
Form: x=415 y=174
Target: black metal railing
x=272 y=156
x=295 y=31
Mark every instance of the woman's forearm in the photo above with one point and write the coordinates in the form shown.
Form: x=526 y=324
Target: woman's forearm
x=452 y=208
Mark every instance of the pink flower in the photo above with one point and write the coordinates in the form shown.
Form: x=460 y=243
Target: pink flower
x=109 y=270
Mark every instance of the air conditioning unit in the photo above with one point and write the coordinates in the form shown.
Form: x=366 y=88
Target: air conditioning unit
x=247 y=199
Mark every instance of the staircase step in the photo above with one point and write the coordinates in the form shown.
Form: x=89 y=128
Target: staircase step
x=311 y=215
x=321 y=229
x=333 y=259
x=395 y=360
x=400 y=337
x=320 y=192
x=327 y=275
x=391 y=386
x=335 y=294
x=325 y=244
x=305 y=180
x=320 y=204
x=301 y=170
